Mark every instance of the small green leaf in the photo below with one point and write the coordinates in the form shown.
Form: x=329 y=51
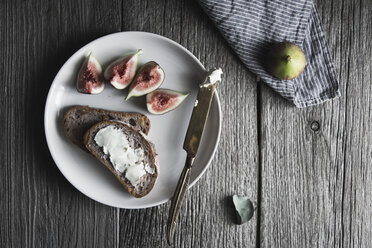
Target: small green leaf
x=244 y=208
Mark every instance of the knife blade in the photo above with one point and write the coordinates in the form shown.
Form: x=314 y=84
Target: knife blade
x=191 y=144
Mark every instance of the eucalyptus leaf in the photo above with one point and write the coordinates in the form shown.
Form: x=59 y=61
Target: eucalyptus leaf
x=244 y=208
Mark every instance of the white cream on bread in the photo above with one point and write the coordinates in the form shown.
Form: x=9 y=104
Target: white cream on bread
x=124 y=158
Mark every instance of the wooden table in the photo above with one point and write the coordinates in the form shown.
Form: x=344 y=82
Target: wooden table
x=311 y=184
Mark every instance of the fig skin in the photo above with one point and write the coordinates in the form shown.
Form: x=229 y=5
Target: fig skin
x=162 y=101
x=121 y=72
x=285 y=60
x=90 y=79
x=149 y=77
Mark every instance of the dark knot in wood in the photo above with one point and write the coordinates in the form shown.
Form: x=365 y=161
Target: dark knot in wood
x=315 y=126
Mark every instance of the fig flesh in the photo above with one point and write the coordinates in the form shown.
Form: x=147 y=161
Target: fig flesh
x=121 y=72
x=162 y=101
x=90 y=79
x=149 y=77
x=285 y=60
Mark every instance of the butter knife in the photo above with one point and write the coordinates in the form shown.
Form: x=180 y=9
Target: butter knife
x=191 y=144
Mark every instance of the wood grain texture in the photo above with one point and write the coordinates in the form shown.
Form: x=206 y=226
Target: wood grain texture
x=356 y=67
x=315 y=187
x=311 y=188
x=5 y=215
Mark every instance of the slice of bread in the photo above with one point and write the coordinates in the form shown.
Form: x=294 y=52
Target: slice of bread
x=136 y=140
x=79 y=119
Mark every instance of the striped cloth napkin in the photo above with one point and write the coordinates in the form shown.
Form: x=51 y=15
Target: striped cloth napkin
x=250 y=26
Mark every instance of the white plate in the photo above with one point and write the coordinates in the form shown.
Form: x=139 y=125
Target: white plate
x=183 y=72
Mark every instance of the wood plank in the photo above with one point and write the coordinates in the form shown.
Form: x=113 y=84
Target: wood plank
x=315 y=190
x=5 y=136
x=42 y=209
x=207 y=217
x=356 y=52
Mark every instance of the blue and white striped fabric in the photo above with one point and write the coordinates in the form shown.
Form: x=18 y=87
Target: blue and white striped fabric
x=251 y=25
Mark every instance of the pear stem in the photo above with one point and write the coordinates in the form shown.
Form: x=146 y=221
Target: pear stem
x=288 y=58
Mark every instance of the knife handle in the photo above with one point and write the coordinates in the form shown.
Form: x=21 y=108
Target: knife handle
x=178 y=197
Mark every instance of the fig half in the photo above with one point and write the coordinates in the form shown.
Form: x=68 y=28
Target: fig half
x=90 y=79
x=121 y=72
x=162 y=101
x=148 y=79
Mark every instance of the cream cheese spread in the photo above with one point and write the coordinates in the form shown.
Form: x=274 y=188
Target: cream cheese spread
x=124 y=158
x=212 y=78
x=149 y=169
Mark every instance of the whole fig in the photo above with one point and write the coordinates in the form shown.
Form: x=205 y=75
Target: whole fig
x=285 y=60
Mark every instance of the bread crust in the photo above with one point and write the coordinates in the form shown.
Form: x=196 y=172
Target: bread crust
x=75 y=129
x=88 y=141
